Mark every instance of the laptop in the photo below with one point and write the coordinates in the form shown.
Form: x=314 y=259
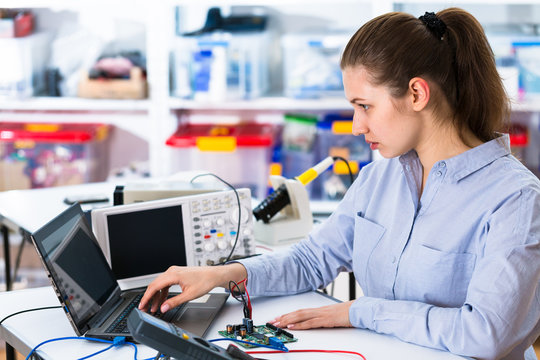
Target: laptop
x=88 y=291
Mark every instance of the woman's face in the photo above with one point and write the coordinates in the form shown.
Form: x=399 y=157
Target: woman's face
x=376 y=116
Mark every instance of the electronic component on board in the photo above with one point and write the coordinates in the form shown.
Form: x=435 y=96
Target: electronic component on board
x=261 y=334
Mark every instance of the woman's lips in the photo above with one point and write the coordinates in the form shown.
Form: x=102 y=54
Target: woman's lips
x=373 y=145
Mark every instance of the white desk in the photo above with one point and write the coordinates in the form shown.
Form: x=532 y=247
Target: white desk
x=24 y=331
x=28 y=210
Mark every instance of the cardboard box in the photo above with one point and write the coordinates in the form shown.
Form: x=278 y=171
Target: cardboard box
x=133 y=88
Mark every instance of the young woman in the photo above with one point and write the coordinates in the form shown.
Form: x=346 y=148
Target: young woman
x=443 y=235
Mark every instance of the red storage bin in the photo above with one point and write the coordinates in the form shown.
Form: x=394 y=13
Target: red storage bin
x=36 y=155
x=240 y=154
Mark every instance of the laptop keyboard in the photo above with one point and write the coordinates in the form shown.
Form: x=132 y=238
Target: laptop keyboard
x=119 y=326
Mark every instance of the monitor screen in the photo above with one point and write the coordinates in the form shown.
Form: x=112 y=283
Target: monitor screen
x=146 y=241
x=76 y=263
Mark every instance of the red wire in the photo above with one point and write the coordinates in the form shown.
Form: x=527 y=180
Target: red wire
x=309 y=350
x=245 y=289
x=264 y=247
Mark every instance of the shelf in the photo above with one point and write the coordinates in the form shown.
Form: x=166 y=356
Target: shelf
x=527 y=106
x=73 y=104
x=68 y=4
x=265 y=104
x=277 y=103
x=288 y=104
x=272 y=3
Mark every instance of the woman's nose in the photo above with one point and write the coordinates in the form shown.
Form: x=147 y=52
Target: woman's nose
x=358 y=126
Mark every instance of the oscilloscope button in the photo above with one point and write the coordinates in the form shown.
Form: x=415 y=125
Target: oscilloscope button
x=222 y=245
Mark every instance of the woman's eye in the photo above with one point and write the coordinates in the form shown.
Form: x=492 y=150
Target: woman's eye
x=365 y=107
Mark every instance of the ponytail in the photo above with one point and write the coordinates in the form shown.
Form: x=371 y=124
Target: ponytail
x=481 y=103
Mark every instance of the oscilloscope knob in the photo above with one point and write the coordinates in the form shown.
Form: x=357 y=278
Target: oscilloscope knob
x=244 y=215
x=209 y=246
x=222 y=245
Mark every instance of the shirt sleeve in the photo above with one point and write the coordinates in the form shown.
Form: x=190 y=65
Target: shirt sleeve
x=310 y=264
x=501 y=313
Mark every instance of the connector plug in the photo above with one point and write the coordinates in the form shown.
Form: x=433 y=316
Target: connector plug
x=277 y=343
x=119 y=340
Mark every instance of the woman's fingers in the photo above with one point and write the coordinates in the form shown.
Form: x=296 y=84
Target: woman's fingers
x=323 y=317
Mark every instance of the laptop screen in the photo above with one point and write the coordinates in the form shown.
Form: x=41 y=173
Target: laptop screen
x=76 y=264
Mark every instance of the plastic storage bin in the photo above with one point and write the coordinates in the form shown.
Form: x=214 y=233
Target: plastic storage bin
x=240 y=154
x=298 y=144
x=528 y=59
x=335 y=138
x=221 y=66
x=22 y=66
x=44 y=154
x=311 y=64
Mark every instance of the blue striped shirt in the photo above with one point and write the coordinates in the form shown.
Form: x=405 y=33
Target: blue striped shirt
x=457 y=268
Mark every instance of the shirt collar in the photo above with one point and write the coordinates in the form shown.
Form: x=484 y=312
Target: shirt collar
x=464 y=164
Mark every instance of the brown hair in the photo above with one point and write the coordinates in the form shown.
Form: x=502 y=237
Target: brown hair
x=395 y=47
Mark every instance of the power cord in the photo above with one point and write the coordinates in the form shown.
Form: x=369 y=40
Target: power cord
x=29 y=310
x=239 y=211
x=352 y=280
x=351 y=175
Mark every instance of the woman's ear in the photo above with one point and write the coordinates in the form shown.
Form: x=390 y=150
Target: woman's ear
x=419 y=90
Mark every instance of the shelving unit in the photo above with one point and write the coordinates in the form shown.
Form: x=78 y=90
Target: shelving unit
x=152 y=120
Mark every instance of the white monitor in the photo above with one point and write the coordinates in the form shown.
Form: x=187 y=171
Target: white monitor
x=141 y=240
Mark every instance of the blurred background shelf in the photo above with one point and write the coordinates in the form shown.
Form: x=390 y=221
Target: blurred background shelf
x=81 y=30
x=73 y=104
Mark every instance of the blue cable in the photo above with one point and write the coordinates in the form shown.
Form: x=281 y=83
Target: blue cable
x=98 y=352
x=281 y=348
x=118 y=341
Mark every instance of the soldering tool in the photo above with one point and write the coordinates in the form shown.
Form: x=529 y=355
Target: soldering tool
x=280 y=197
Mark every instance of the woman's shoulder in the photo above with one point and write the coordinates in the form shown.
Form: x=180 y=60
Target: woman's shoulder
x=515 y=176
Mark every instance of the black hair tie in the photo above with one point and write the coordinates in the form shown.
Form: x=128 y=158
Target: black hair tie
x=434 y=24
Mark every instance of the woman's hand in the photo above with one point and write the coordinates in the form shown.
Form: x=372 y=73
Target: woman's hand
x=323 y=317
x=194 y=282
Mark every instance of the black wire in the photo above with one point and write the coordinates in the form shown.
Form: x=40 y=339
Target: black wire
x=348 y=166
x=239 y=296
x=28 y=310
x=239 y=210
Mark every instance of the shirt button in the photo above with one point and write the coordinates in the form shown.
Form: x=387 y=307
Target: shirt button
x=442 y=164
x=394 y=259
x=439 y=173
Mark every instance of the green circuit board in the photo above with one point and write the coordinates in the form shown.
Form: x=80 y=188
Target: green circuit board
x=260 y=335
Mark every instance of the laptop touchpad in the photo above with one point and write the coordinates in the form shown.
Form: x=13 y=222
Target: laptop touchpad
x=195 y=319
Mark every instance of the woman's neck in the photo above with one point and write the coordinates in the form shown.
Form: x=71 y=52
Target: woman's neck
x=442 y=143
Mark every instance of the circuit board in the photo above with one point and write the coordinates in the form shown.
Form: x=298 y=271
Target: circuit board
x=260 y=335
